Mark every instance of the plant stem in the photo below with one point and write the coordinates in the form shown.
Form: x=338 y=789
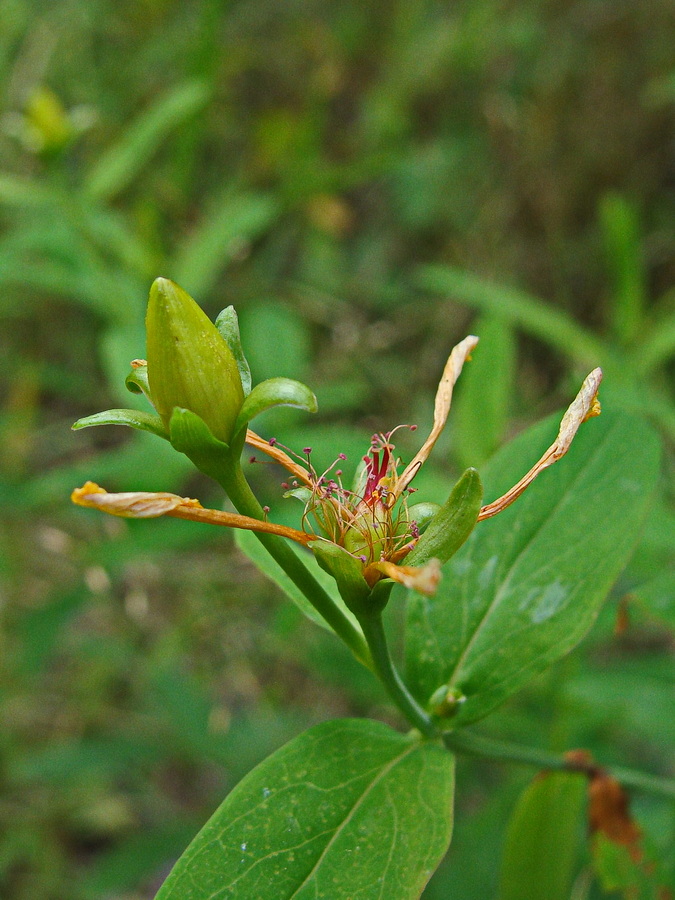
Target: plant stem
x=373 y=629
x=238 y=489
x=477 y=745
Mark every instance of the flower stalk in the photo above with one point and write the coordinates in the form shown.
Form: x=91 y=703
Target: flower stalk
x=373 y=629
x=240 y=493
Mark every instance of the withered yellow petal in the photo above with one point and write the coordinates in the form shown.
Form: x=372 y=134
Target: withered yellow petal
x=584 y=406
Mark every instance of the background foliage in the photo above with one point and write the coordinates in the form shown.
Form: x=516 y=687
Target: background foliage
x=365 y=182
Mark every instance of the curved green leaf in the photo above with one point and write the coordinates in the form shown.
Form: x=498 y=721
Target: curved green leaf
x=134 y=418
x=125 y=159
x=528 y=584
x=232 y=221
x=622 y=236
x=348 y=809
x=136 y=381
x=275 y=392
x=516 y=307
x=543 y=839
x=486 y=385
x=227 y=324
x=452 y=524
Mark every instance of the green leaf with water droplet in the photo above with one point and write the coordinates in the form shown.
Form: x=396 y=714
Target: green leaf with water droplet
x=528 y=584
x=348 y=809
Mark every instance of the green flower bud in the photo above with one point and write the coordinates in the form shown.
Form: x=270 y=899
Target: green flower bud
x=445 y=702
x=189 y=363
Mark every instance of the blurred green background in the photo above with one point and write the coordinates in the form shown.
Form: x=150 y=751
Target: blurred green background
x=366 y=182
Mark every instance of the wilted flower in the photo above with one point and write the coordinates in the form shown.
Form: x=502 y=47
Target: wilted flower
x=372 y=523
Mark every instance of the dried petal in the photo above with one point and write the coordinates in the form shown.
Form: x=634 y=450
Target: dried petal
x=278 y=455
x=146 y=505
x=131 y=504
x=584 y=406
x=451 y=373
x=424 y=579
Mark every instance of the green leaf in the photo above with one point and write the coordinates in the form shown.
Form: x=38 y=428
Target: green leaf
x=543 y=839
x=452 y=524
x=251 y=547
x=621 y=233
x=277 y=340
x=275 y=392
x=481 y=408
x=23 y=192
x=423 y=513
x=125 y=159
x=134 y=418
x=227 y=324
x=347 y=572
x=348 y=809
x=618 y=870
x=657 y=596
x=528 y=584
x=233 y=221
x=518 y=308
x=136 y=381
x=657 y=345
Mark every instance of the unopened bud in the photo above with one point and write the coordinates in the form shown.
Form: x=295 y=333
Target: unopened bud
x=444 y=703
x=189 y=363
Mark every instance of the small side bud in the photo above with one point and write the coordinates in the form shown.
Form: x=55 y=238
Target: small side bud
x=189 y=363
x=445 y=702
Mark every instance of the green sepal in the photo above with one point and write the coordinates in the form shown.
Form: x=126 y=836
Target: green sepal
x=380 y=594
x=136 y=381
x=303 y=494
x=134 y=418
x=422 y=514
x=452 y=524
x=347 y=572
x=275 y=392
x=190 y=435
x=227 y=324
